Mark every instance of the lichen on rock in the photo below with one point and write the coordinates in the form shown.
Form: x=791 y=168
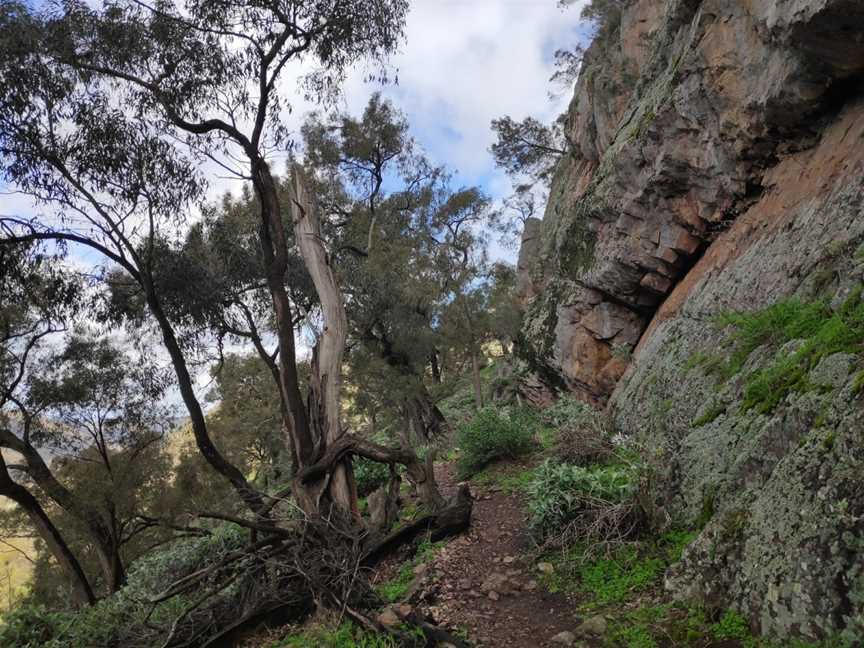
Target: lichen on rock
x=726 y=176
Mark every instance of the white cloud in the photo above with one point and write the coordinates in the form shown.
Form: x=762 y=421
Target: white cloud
x=463 y=63
x=466 y=62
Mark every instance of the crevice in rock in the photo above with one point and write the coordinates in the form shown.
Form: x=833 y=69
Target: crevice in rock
x=840 y=93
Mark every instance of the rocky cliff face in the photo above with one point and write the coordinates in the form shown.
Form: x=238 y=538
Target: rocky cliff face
x=719 y=167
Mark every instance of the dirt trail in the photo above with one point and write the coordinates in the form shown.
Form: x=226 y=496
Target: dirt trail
x=485 y=583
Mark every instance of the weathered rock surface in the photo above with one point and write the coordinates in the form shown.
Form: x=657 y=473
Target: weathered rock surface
x=677 y=118
x=719 y=166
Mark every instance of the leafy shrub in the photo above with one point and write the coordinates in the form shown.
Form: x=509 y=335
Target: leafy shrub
x=125 y=618
x=584 y=435
x=369 y=475
x=35 y=627
x=494 y=434
x=29 y=626
x=561 y=494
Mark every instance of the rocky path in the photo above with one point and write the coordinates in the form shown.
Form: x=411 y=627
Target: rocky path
x=486 y=583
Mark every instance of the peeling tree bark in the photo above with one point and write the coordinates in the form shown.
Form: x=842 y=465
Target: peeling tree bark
x=326 y=379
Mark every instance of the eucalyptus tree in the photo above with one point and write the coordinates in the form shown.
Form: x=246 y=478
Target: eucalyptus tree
x=529 y=148
x=84 y=419
x=34 y=305
x=108 y=112
x=378 y=195
x=461 y=266
x=97 y=411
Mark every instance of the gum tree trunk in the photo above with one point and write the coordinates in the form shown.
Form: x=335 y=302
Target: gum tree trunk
x=326 y=378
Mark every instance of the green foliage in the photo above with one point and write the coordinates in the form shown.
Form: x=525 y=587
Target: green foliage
x=506 y=478
x=821 y=331
x=673 y=543
x=731 y=626
x=150 y=573
x=124 y=618
x=29 y=626
x=528 y=147
x=246 y=425
x=347 y=635
x=582 y=434
x=710 y=415
x=707 y=509
x=683 y=625
x=457 y=403
x=494 y=434
x=634 y=637
x=395 y=588
x=613 y=579
x=786 y=320
x=560 y=492
x=369 y=475
x=858 y=383
x=518 y=482
x=564 y=410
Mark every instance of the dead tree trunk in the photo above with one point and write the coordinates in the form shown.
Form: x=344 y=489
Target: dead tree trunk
x=423 y=416
x=326 y=379
x=436 y=368
x=421 y=474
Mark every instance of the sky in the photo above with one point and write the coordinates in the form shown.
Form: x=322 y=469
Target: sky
x=466 y=62
x=463 y=63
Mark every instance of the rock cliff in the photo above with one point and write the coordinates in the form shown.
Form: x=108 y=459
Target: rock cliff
x=718 y=167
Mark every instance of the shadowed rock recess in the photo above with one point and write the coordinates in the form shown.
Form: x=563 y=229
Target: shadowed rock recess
x=718 y=166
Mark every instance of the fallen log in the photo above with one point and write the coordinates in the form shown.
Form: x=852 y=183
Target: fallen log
x=449 y=521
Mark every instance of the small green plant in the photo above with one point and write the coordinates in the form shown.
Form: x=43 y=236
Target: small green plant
x=613 y=579
x=346 y=635
x=684 y=625
x=710 y=415
x=394 y=589
x=616 y=577
x=493 y=434
x=511 y=479
x=821 y=330
x=641 y=627
x=634 y=637
x=732 y=626
x=517 y=482
x=675 y=542
x=558 y=492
